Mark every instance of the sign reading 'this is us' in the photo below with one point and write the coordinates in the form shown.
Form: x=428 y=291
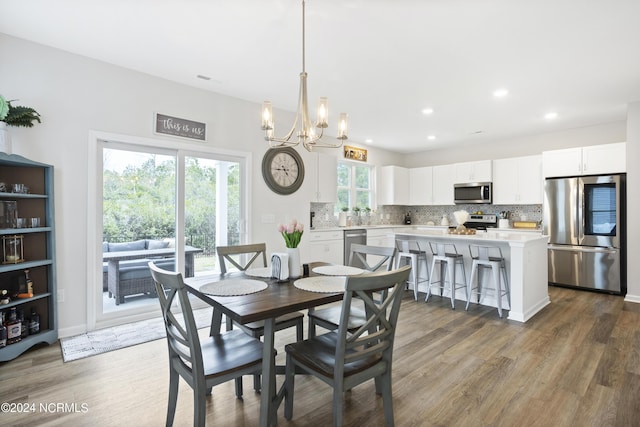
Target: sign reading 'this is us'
x=184 y=128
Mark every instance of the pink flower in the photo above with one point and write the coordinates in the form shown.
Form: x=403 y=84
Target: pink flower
x=290 y=228
x=281 y=228
x=300 y=227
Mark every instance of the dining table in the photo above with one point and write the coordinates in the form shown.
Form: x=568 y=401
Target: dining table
x=276 y=299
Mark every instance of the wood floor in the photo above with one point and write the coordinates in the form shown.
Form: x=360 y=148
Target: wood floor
x=576 y=363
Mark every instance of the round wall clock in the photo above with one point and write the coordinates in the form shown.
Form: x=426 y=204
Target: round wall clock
x=283 y=170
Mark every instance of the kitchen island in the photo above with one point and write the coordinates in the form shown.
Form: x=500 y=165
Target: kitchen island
x=526 y=262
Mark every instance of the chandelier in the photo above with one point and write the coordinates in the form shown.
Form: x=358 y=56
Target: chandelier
x=303 y=130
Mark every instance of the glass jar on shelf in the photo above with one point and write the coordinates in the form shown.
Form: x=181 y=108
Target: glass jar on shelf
x=12 y=247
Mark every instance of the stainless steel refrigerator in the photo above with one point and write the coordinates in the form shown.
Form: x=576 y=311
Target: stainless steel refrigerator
x=585 y=219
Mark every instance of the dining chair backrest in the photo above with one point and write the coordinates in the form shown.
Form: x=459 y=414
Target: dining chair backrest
x=241 y=256
x=379 y=257
x=374 y=338
x=182 y=334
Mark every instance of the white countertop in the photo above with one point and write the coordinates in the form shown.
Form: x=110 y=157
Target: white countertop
x=481 y=236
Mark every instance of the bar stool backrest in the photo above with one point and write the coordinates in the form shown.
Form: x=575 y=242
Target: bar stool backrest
x=408 y=246
x=443 y=249
x=485 y=253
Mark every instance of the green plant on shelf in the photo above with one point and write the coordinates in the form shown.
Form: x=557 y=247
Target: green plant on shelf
x=19 y=116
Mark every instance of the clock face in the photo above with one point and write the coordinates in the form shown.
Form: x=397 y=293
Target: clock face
x=283 y=170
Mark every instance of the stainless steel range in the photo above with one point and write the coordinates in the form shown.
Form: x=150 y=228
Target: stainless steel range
x=482 y=221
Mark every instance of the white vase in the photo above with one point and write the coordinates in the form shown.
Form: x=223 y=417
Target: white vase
x=5 y=138
x=342 y=219
x=295 y=268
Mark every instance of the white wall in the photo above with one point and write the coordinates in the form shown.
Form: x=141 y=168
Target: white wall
x=633 y=202
x=76 y=95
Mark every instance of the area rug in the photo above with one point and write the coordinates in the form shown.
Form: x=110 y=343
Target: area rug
x=117 y=337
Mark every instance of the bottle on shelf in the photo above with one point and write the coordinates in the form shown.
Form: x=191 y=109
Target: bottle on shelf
x=34 y=322
x=24 y=323
x=13 y=327
x=3 y=331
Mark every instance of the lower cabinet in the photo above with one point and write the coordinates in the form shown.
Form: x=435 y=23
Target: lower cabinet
x=324 y=246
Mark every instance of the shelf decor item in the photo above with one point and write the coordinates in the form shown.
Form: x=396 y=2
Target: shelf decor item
x=12 y=249
x=18 y=116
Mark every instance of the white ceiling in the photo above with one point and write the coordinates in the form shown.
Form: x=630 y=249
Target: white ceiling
x=381 y=61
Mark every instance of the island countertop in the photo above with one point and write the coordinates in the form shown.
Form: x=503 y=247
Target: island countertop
x=526 y=260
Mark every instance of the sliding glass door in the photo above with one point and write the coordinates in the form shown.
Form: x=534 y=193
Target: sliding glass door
x=167 y=206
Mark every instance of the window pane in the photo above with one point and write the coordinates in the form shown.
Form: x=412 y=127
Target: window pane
x=344 y=175
x=343 y=199
x=363 y=199
x=362 y=176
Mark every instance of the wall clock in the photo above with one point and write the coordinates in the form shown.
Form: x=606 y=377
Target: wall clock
x=283 y=170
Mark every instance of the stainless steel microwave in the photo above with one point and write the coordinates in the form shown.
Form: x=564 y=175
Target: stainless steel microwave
x=475 y=193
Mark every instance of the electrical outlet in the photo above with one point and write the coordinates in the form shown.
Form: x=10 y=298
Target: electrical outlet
x=60 y=295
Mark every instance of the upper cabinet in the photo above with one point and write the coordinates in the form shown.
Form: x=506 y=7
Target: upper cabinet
x=590 y=160
x=518 y=181
x=470 y=172
x=421 y=186
x=326 y=178
x=443 y=180
x=392 y=185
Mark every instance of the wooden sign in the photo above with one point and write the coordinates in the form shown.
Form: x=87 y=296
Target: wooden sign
x=183 y=128
x=355 y=153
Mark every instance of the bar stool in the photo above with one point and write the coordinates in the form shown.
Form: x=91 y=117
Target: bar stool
x=411 y=253
x=448 y=257
x=489 y=257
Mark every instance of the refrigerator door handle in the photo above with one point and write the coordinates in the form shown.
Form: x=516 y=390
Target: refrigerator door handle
x=590 y=249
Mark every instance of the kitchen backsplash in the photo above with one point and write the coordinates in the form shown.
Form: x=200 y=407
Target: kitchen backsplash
x=420 y=215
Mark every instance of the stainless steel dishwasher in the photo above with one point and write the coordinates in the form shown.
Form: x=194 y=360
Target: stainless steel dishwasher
x=358 y=236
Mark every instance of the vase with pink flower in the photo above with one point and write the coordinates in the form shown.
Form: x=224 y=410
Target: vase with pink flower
x=292 y=234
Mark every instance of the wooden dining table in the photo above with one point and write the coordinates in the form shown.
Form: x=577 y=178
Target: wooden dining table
x=279 y=298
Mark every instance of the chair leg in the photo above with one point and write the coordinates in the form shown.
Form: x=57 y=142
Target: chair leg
x=338 y=401
x=299 y=330
x=289 y=380
x=312 y=328
x=239 y=387
x=199 y=407
x=451 y=272
x=429 y=284
x=495 y=273
x=174 y=379
x=387 y=398
x=474 y=271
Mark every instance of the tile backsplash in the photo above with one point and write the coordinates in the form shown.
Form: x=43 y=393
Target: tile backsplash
x=420 y=215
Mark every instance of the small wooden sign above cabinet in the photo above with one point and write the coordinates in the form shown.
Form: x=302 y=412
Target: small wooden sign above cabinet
x=355 y=153
x=183 y=128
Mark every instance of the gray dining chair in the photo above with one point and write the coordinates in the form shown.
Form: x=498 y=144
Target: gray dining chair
x=345 y=358
x=202 y=361
x=374 y=258
x=237 y=255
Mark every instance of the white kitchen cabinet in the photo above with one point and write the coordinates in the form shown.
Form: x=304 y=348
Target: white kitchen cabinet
x=324 y=246
x=326 y=178
x=518 y=181
x=382 y=237
x=470 y=172
x=590 y=160
x=392 y=185
x=443 y=180
x=421 y=186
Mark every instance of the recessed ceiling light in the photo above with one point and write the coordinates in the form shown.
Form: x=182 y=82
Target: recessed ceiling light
x=499 y=93
x=551 y=115
x=431 y=137
x=368 y=140
x=427 y=111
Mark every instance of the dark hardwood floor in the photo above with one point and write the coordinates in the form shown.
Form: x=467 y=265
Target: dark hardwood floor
x=576 y=363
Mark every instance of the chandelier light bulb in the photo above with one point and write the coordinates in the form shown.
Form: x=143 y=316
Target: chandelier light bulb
x=323 y=113
x=267 y=116
x=343 y=126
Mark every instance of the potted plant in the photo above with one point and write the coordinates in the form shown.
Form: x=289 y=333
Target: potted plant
x=342 y=216
x=18 y=116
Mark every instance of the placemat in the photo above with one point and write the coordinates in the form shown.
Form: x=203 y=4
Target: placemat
x=233 y=287
x=259 y=272
x=324 y=284
x=338 y=270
